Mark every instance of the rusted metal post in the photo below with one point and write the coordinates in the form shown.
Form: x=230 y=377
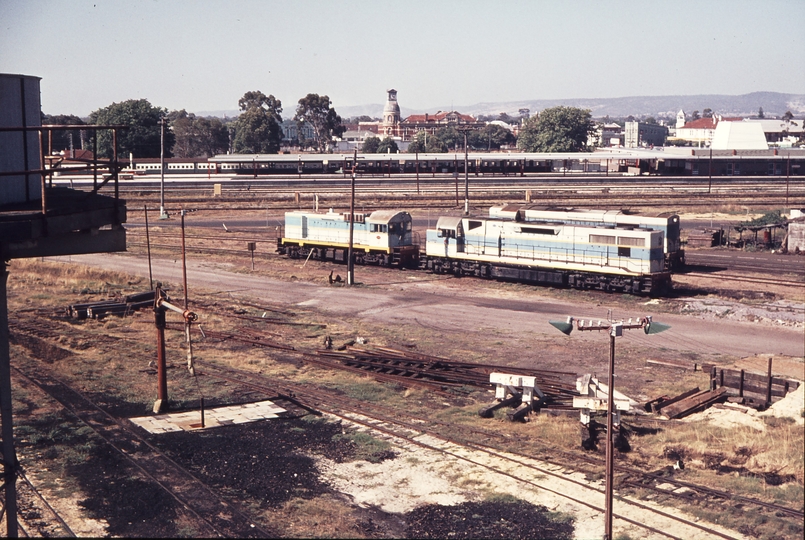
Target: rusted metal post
x=741 y=385
x=713 y=375
x=768 y=386
x=184 y=264
x=9 y=454
x=162 y=381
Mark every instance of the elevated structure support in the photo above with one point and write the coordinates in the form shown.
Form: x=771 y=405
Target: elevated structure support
x=9 y=454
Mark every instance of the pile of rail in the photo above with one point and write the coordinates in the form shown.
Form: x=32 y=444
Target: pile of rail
x=122 y=307
x=435 y=372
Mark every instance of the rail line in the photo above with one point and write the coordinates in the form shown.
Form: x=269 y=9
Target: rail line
x=215 y=516
x=411 y=428
x=745 y=279
x=414 y=428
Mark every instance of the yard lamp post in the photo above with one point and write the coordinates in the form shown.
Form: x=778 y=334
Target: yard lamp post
x=615 y=329
x=162 y=213
x=350 y=254
x=464 y=131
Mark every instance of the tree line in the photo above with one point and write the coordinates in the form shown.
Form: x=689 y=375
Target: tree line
x=257 y=130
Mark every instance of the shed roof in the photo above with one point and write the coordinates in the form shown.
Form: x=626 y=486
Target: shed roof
x=739 y=136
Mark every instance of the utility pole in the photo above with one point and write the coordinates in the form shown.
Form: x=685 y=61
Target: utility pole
x=614 y=329
x=162 y=213
x=350 y=256
x=464 y=131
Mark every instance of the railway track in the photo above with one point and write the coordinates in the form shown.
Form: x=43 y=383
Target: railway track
x=211 y=513
x=744 y=279
x=206 y=243
x=447 y=191
x=441 y=437
x=455 y=441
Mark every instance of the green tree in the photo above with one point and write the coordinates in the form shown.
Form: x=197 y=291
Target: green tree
x=787 y=117
x=417 y=144
x=63 y=139
x=197 y=136
x=490 y=137
x=424 y=142
x=558 y=129
x=317 y=111
x=450 y=137
x=143 y=136
x=695 y=115
x=257 y=129
x=760 y=113
x=388 y=145
x=504 y=117
x=370 y=145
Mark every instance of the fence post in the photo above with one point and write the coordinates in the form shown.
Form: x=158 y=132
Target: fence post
x=712 y=378
x=741 y=385
x=768 y=387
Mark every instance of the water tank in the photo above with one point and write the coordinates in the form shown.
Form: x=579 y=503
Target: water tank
x=19 y=151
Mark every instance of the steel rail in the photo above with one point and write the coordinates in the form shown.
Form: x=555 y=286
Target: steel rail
x=198 y=498
x=328 y=402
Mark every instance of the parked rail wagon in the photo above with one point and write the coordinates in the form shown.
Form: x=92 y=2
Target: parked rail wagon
x=666 y=222
x=612 y=258
x=382 y=237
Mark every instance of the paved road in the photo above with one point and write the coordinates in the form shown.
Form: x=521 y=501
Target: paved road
x=451 y=309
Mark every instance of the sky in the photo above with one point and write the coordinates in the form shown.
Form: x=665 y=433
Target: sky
x=203 y=55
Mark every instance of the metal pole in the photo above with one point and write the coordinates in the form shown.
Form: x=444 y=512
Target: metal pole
x=162 y=380
x=417 y=173
x=9 y=454
x=350 y=257
x=162 y=214
x=710 y=171
x=148 y=247
x=466 y=178
x=610 y=449
x=184 y=264
x=787 y=178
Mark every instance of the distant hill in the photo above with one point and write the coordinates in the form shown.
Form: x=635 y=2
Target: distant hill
x=773 y=104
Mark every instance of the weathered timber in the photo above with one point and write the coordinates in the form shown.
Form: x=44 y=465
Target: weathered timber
x=695 y=403
x=659 y=405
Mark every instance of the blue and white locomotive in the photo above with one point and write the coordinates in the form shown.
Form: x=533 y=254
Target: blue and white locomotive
x=617 y=258
x=382 y=237
x=610 y=258
x=668 y=223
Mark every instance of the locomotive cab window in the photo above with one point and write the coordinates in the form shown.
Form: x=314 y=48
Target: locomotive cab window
x=472 y=224
x=624 y=251
x=378 y=227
